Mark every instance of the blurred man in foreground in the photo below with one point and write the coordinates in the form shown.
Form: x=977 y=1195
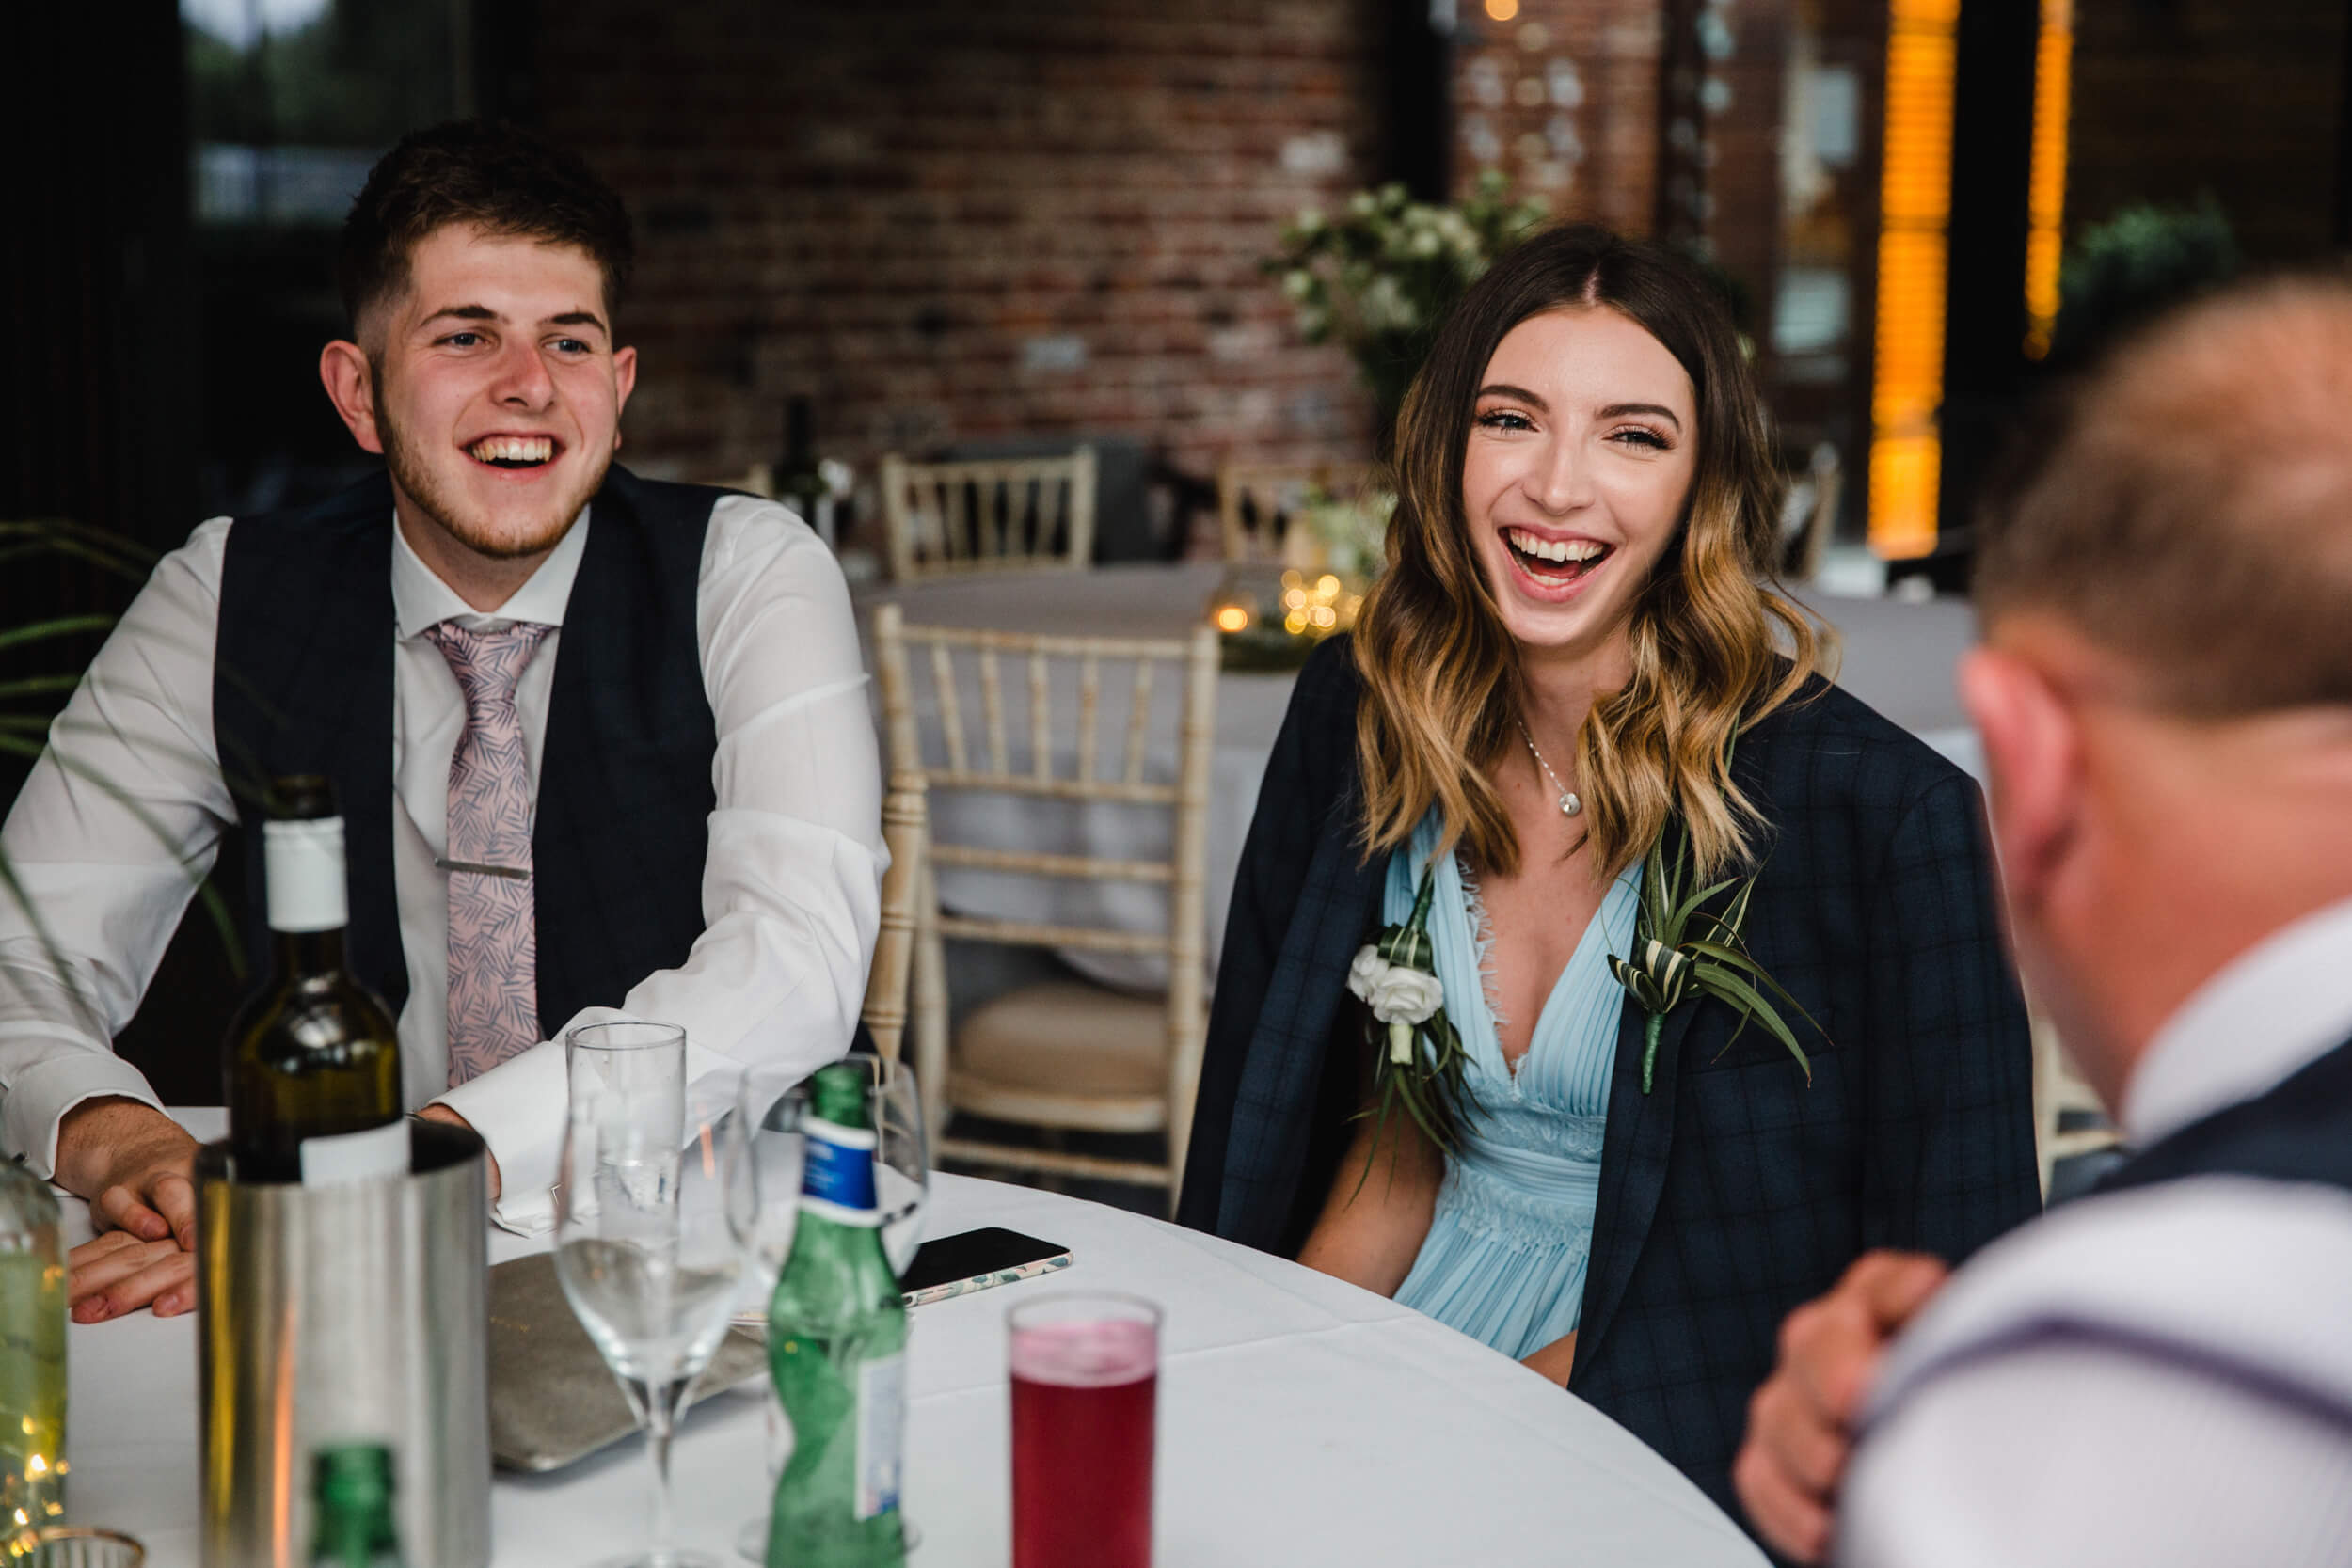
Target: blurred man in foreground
x=2157 y=1373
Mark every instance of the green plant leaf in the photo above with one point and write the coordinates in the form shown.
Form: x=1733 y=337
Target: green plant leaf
x=62 y=625
x=1741 y=995
x=35 y=685
x=1690 y=906
x=1734 y=956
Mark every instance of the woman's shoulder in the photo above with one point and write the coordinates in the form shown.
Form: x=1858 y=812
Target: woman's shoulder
x=1325 y=696
x=1329 y=674
x=1825 y=748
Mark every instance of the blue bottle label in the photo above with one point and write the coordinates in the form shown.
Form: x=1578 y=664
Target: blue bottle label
x=838 y=1179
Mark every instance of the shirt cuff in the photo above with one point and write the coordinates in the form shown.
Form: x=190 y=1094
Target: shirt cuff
x=517 y=1108
x=39 y=1097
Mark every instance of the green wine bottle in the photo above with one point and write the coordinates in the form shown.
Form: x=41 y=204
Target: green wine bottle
x=837 y=1348
x=352 y=1493
x=32 y=1356
x=313 y=1062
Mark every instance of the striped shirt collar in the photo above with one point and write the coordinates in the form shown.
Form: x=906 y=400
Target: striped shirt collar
x=2268 y=1013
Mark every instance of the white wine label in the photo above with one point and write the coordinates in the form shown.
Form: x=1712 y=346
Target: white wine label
x=305 y=873
x=881 y=1399
x=357 y=1156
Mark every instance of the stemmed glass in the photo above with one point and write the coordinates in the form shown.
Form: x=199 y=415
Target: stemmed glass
x=902 y=1174
x=901 y=1190
x=902 y=1161
x=655 y=1203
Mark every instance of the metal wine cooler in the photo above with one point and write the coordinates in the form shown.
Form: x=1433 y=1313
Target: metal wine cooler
x=353 y=1313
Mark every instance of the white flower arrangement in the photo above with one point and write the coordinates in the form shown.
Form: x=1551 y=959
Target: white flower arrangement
x=1378 y=276
x=1418 y=1058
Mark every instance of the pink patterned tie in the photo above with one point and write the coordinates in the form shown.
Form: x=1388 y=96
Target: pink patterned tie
x=493 y=934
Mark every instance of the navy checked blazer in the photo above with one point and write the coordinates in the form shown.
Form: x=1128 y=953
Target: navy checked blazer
x=1734 y=1191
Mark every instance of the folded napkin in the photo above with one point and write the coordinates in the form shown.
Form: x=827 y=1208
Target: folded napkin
x=525 y=1213
x=552 y=1397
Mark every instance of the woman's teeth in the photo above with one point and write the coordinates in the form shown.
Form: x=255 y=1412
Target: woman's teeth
x=1579 y=555
x=514 y=451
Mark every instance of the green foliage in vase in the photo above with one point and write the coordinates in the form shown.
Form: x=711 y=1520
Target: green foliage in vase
x=1378 y=276
x=2135 y=264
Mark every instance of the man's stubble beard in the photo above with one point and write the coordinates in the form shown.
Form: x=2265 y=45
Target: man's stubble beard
x=422 y=485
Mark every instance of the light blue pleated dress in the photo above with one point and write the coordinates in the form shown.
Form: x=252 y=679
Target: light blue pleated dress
x=1506 y=1258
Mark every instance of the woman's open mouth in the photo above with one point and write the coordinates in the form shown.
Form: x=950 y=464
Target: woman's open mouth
x=1555 y=562
x=514 y=451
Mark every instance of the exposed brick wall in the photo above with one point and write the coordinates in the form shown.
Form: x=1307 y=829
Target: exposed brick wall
x=946 y=221
x=1563 y=97
x=2172 y=98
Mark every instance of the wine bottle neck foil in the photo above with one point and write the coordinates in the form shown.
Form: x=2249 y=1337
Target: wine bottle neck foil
x=304 y=864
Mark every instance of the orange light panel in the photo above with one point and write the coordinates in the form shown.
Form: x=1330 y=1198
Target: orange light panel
x=2054 y=60
x=1915 y=217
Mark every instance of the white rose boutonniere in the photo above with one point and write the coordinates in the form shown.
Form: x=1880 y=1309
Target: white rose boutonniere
x=1418 y=1058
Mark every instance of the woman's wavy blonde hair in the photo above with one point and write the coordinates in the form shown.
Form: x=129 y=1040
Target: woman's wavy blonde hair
x=1441 y=705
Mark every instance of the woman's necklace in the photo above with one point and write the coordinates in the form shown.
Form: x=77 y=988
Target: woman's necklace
x=1570 y=804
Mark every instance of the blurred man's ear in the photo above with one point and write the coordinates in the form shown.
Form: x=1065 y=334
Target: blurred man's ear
x=2033 y=748
x=343 y=369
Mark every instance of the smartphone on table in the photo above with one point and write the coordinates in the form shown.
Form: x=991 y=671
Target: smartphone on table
x=975 y=1260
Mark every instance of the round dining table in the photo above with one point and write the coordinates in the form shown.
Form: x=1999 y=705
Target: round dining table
x=1302 y=1422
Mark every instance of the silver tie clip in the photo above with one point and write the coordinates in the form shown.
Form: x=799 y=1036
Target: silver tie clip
x=480 y=870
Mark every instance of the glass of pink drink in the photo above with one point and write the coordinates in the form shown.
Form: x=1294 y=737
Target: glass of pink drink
x=1086 y=1372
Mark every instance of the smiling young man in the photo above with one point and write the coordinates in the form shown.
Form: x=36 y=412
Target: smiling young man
x=663 y=681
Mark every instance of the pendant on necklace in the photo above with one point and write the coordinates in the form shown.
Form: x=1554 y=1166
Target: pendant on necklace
x=1570 y=804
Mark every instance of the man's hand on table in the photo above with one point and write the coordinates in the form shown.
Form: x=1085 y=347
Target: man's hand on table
x=438 y=1112
x=138 y=1168
x=1801 y=1421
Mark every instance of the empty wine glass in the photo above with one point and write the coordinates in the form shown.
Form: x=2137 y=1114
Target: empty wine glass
x=902 y=1164
x=656 y=1205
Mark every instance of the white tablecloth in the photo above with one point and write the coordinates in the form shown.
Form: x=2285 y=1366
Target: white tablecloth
x=1302 y=1422
x=1898 y=657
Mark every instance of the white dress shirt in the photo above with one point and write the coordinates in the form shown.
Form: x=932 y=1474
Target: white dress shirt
x=2155 y=1376
x=124 y=812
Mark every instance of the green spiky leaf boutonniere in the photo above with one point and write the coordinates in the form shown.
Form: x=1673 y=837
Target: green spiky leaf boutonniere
x=1680 y=945
x=1418 y=1056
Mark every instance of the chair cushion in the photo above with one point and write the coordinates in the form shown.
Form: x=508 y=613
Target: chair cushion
x=1066 y=1036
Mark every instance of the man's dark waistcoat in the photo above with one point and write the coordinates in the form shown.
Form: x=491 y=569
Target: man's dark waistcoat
x=2300 y=1130
x=302 y=683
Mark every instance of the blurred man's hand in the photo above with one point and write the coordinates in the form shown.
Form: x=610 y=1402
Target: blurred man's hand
x=1801 y=1421
x=138 y=1168
x=438 y=1112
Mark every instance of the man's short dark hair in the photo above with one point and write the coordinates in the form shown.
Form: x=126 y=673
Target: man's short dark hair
x=488 y=176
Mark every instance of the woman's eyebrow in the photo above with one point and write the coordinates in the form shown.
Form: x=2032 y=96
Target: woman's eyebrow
x=1619 y=410
x=1504 y=390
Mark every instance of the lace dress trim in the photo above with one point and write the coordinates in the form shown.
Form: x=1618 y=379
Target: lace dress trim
x=1483 y=944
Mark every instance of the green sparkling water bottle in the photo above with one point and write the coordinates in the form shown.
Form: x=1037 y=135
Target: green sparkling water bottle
x=837 y=1349
x=352 y=1490
x=32 y=1355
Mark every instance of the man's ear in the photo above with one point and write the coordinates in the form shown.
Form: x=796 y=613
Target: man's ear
x=343 y=369
x=2033 y=748
x=625 y=382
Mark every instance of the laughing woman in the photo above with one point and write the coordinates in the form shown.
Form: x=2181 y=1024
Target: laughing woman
x=1573 y=658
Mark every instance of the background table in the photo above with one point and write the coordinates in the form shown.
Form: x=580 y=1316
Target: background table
x=1303 y=1423
x=1898 y=656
